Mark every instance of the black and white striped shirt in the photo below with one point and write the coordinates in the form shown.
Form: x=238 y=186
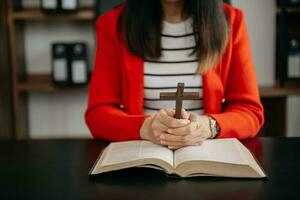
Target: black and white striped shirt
x=175 y=65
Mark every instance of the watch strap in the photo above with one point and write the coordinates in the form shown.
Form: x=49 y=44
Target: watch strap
x=214 y=127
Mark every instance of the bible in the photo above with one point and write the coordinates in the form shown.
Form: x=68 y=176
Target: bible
x=215 y=157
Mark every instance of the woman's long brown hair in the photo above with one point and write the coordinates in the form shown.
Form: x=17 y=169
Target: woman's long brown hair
x=142 y=24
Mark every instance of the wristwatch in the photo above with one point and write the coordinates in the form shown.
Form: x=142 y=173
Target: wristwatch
x=214 y=127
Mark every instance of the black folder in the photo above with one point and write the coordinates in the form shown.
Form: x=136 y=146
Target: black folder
x=59 y=6
x=50 y=6
x=79 y=63
x=293 y=64
x=60 y=64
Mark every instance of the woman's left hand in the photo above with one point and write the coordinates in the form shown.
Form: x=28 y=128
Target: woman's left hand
x=190 y=135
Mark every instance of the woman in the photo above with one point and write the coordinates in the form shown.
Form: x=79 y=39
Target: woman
x=147 y=47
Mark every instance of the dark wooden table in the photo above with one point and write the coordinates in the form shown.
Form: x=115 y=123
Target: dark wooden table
x=58 y=169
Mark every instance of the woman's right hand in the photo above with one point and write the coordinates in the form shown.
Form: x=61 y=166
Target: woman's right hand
x=159 y=123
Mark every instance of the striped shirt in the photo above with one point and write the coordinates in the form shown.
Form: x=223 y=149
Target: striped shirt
x=175 y=65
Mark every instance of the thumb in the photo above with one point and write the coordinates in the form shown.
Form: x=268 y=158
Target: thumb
x=170 y=112
x=185 y=114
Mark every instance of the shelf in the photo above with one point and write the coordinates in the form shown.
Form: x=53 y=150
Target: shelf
x=37 y=14
x=37 y=83
x=289 y=10
x=42 y=83
x=274 y=91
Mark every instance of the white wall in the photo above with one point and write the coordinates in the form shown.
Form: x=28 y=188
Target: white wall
x=61 y=114
x=58 y=115
x=260 y=17
x=293 y=116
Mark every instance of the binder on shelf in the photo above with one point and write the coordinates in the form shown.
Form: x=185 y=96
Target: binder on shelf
x=69 y=64
x=60 y=64
x=49 y=5
x=293 y=61
x=69 y=5
x=79 y=64
x=59 y=6
x=287 y=42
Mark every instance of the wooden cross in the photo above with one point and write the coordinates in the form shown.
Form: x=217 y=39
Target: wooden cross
x=179 y=96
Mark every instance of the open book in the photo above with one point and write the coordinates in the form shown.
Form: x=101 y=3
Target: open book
x=218 y=157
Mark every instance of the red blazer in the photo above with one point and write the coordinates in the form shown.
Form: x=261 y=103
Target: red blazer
x=115 y=107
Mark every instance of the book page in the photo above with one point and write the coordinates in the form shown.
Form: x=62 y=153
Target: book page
x=120 y=152
x=218 y=150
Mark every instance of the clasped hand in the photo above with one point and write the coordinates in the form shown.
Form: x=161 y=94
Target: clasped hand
x=164 y=129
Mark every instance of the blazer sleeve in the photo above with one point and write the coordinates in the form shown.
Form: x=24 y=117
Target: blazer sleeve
x=243 y=113
x=104 y=116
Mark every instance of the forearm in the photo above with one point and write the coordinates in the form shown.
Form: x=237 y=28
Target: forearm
x=239 y=121
x=110 y=123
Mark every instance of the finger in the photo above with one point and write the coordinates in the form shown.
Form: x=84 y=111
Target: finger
x=157 y=134
x=170 y=121
x=185 y=130
x=196 y=141
x=181 y=140
x=168 y=139
x=175 y=147
x=172 y=138
x=170 y=112
x=185 y=114
x=158 y=126
x=171 y=143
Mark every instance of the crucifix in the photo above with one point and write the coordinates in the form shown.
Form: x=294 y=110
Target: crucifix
x=179 y=96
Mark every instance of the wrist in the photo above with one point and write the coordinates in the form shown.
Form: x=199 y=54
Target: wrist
x=146 y=128
x=203 y=124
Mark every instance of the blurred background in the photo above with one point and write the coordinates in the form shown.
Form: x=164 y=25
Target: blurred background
x=47 y=55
